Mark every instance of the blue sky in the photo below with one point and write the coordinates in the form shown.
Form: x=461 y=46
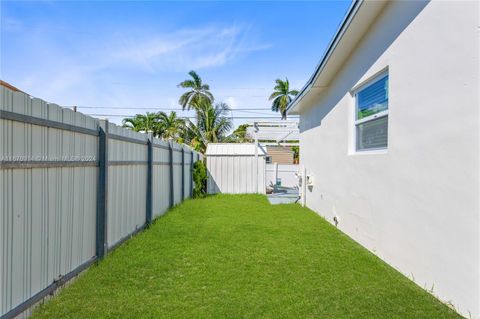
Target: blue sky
x=112 y=54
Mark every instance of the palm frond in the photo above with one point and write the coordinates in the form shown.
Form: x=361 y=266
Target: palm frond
x=196 y=78
x=198 y=91
x=274 y=95
x=186 y=84
x=281 y=96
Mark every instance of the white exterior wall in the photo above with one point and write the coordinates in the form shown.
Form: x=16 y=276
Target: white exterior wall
x=417 y=205
x=235 y=174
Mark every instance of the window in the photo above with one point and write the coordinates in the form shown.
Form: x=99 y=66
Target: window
x=371 y=115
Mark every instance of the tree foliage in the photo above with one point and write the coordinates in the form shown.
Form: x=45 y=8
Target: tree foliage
x=142 y=122
x=212 y=125
x=198 y=92
x=281 y=97
x=240 y=135
x=170 y=126
x=199 y=179
x=162 y=125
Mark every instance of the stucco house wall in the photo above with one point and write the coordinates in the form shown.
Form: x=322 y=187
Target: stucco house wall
x=416 y=204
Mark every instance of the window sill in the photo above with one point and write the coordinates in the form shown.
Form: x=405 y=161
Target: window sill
x=370 y=152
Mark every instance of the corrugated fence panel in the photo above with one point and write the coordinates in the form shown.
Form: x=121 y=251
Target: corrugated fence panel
x=161 y=177
x=261 y=177
x=235 y=174
x=127 y=183
x=177 y=173
x=48 y=214
x=243 y=178
x=49 y=184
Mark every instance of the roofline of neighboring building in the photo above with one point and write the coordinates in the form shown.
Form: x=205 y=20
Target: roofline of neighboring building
x=208 y=152
x=9 y=86
x=351 y=12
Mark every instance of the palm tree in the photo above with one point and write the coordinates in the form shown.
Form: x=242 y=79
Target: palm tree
x=198 y=91
x=142 y=122
x=281 y=97
x=170 y=126
x=133 y=123
x=213 y=121
x=194 y=137
x=240 y=135
x=212 y=125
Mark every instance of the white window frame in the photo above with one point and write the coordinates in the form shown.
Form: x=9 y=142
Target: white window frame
x=372 y=117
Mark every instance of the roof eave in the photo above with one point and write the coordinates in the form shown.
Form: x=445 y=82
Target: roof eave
x=293 y=107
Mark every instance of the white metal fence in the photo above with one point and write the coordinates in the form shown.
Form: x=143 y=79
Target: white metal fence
x=284 y=173
x=71 y=188
x=235 y=168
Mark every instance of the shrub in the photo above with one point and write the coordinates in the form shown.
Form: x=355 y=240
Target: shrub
x=200 y=179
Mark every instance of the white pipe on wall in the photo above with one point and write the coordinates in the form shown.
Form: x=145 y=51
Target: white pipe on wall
x=304 y=186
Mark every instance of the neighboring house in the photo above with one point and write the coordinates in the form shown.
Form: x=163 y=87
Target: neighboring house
x=389 y=131
x=278 y=137
x=279 y=154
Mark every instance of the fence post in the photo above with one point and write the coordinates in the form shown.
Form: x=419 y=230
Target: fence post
x=183 y=173
x=256 y=164
x=172 y=190
x=149 y=210
x=102 y=196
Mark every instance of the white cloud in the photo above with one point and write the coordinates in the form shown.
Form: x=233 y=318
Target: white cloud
x=185 y=49
x=92 y=64
x=121 y=68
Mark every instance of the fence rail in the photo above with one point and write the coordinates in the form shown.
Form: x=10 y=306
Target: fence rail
x=72 y=188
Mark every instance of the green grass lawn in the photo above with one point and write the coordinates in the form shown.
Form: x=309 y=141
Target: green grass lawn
x=240 y=257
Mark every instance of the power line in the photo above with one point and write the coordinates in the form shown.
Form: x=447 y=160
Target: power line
x=192 y=117
x=160 y=108
x=258 y=111
x=269 y=112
